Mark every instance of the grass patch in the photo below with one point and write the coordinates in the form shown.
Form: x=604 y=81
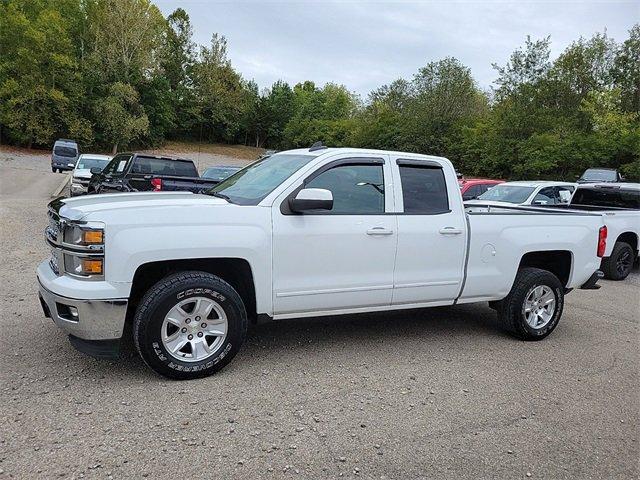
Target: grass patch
x=236 y=151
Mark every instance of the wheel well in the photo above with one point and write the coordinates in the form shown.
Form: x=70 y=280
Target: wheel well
x=630 y=238
x=235 y=271
x=557 y=262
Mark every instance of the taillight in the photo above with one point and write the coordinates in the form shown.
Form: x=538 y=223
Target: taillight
x=602 y=241
x=156 y=183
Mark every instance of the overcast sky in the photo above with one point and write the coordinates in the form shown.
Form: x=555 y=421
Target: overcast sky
x=364 y=45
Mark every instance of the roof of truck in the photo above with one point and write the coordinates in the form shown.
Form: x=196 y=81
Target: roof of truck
x=316 y=152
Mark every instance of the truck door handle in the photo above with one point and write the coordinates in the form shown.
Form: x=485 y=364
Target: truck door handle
x=450 y=231
x=379 y=231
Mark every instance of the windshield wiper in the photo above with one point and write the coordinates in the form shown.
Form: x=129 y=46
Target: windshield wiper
x=220 y=195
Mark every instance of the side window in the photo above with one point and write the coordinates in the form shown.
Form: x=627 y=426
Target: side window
x=473 y=192
x=544 y=197
x=563 y=194
x=424 y=190
x=356 y=189
x=117 y=165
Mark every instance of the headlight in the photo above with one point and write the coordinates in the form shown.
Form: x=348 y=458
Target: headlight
x=85 y=266
x=84 y=236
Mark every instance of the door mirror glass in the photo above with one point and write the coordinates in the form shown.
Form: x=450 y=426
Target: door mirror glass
x=95 y=170
x=312 y=199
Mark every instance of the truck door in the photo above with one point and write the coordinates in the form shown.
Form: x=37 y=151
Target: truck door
x=341 y=258
x=431 y=233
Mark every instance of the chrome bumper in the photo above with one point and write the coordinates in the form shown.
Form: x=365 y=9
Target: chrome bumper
x=78 y=188
x=85 y=319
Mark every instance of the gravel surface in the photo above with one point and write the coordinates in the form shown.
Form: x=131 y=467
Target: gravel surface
x=436 y=393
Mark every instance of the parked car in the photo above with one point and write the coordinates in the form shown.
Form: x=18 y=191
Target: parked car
x=64 y=155
x=307 y=232
x=621 y=206
x=140 y=172
x=82 y=172
x=472 y=188
x=219 y=173
x=525 y=193
x=601 y=175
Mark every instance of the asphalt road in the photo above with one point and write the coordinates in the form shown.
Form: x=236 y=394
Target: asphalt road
x=437 y=393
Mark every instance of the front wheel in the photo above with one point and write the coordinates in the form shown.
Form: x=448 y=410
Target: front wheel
x=189 y=325
x=534 y=305
x=619 y=264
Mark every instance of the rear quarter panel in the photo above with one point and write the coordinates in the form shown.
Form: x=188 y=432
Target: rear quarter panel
x=499 y=241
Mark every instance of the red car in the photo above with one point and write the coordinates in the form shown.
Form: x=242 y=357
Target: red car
x=471 y=188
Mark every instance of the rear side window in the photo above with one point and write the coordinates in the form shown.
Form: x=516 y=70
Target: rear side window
x=424 y=190
x=163 y=166
x=607 y=198
x=356 y=189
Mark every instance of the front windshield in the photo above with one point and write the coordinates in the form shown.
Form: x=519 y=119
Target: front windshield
x=254 y=182
x=89 y=163
x=596 y=175
x=507 y=193
x=219 y=173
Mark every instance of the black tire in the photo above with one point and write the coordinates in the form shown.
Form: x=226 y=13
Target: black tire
x=511 y=309
x=619 y=264
x=163 y=296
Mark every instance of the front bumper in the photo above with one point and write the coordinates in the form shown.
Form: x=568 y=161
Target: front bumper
x=78 y=188
x=85 y=319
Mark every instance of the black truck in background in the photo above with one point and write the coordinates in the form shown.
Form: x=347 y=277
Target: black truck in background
x=141 y=172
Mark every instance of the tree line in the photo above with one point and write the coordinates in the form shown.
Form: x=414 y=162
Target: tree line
x=118 y=74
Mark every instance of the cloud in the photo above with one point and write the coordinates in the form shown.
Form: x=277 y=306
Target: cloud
x=367 y=44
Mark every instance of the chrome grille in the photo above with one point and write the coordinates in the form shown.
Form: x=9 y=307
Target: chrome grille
x=52 y=232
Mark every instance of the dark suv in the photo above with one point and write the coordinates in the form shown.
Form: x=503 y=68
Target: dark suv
x=601 y=175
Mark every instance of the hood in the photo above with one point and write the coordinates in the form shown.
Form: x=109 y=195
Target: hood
x=77 y=208
x=84 y=173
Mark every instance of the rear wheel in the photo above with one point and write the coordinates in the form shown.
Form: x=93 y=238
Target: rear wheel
x=189 y=325
x=619 y=264
x=534 y=305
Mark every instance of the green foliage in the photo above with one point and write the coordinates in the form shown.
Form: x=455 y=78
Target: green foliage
x=120 y=116
x=117 y=73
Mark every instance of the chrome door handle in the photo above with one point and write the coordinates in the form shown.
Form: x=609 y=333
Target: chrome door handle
x=379 y=231
x=450 y=231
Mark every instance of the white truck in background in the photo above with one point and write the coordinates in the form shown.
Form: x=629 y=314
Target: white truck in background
x=620 y=205
x=308 y=232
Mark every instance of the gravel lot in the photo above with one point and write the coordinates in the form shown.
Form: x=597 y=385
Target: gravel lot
x=434 y=393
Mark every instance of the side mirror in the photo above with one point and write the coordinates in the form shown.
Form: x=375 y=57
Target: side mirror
x=95 y=170
x=311 y=199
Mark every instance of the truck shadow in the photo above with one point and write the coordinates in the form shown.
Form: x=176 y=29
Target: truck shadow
x=428 y=324
x=432 y=328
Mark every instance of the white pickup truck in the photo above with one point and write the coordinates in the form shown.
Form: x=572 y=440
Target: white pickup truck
x=620 y=204
x=310 y=232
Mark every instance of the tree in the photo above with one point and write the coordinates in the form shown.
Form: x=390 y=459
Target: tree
x=626 y=71
x=121 y=117
x=126 y=36
x=40 y=87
